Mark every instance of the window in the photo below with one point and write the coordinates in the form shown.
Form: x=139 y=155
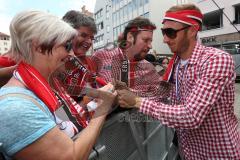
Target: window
x=107 y=8
x=231 y=48
x=101 y=25
x=121 y=13
x=5 y=43
x=129 y=7
x=141 y=3
x=114 y=33
x=98 y=14
x=117 y=16
x=126 y=10
x=99 y=39
x=113 y=16
x=146 y=1
x=114 y=2
x=108 y=28
x=134 y=4
x=118 y=30
x=213 y=20
x=237 y=14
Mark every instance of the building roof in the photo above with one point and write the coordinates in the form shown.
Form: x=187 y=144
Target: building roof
x=3 y=35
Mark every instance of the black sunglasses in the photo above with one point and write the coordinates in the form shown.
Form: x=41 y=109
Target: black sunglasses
x=172 y=33
x=68 y=46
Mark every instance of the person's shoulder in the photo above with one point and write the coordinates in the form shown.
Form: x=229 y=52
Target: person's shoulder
x=13 y=102
x=23 y=121
x=103 y=53
x=212 y=51
x=219 y=55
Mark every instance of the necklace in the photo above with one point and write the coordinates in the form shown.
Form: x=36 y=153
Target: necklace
x=183 y=63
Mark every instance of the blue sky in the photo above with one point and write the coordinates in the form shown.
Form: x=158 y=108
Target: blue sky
x=8 y=8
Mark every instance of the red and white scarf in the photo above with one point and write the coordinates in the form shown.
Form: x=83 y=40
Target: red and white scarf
x=6 y=62
x=35 y=82
x=169 y=71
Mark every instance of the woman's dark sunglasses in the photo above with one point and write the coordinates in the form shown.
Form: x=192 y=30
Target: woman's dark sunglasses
x=68 y=46
x=172 y=33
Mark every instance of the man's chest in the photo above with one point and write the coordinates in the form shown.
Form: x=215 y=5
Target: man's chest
x=185 y=80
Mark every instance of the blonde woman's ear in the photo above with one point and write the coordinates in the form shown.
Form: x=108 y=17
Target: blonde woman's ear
x=36 y=47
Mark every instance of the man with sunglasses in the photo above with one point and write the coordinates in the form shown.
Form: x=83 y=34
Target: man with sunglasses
x=202 y=98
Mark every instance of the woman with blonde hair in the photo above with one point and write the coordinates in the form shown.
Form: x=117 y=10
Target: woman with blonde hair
x=40 y=43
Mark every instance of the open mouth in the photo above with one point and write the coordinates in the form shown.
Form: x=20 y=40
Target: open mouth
x=86 y=46
x=145 y=51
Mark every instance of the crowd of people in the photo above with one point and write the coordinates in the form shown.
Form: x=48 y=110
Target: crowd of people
x=194 y=93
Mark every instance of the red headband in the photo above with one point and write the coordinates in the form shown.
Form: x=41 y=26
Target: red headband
x=189 y=17
x=143 y=28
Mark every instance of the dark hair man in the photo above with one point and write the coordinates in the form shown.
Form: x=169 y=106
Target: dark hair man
x=134 y=44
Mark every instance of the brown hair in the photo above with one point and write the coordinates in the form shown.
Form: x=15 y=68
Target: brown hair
x=181 y=7
x=139 y=22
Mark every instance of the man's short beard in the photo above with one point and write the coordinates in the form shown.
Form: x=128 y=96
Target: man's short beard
x=138 y=57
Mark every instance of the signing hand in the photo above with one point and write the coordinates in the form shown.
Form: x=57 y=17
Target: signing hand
x=104 y=98
x=119 y=85
x=128 y=99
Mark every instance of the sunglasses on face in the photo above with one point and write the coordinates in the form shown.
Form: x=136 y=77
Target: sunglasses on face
x=172 y=33
x=68 y=46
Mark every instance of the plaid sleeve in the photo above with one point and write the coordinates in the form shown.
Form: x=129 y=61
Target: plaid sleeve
x=96 y=60
x=215 y=75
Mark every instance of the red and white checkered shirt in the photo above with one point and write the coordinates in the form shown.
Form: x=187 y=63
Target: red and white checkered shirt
x=145 y=81
x=202 y=110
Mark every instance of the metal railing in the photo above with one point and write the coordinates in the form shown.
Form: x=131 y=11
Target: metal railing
x=237 y=67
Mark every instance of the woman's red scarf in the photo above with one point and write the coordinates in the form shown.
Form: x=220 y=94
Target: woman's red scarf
x=35 y=82
x=6 y=62
x=38 y=84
